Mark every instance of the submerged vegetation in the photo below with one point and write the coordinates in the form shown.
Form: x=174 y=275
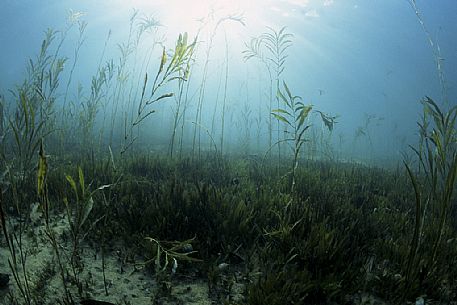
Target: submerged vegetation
x=94 y=211
x=344 y=237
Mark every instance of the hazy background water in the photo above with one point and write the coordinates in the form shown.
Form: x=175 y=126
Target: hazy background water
x=349 y=58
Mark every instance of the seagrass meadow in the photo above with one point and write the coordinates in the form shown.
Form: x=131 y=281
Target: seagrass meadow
x=228 y=152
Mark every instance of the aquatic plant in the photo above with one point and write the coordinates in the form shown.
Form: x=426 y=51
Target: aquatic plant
x=202 y=88
x=83 y=109
x=313 y=246
x=3 y=128
x=124 y=80
x=176 y=69
x=145 y=25
x=179 y=113
x=90 y=106
x=270 y=48
x=294 y=116
x=305 y=258
x=74 y=18
x=165 y=257
x=77 y=215
x=435 y=179
x=17 y=260
x=32 y=120
x=42 y=191
x=365 y=130
x=126 y=49
x=434 y=186
x=244 y=124
x=224 y=99
x=331 y=232
x=165 y=254
x=254 y=50
x=328 y=122
x=27 y=129
x=437 y=56
x=34 y=117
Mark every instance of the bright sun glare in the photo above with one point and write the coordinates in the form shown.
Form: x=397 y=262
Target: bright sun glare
x=185 y=15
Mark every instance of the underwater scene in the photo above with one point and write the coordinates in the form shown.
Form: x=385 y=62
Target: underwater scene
x=228 y=152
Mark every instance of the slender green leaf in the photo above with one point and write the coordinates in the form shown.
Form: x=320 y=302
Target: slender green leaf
x=287 y=90
x=81 y=181
x=88 y=205
x=281 y=118
x=73 y=185
x=281 y=111
x=42 y=170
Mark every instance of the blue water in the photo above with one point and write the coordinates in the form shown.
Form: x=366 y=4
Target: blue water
x=354 y=59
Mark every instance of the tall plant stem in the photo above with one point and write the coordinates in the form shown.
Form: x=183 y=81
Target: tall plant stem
x=224 y=100
x=44 y=199
x=82 y=28
x=183 y=116
x=120 y=84
x=436 y=53
x=176 y=116
x=198 y=116
x=216 y=105
x=201 y=96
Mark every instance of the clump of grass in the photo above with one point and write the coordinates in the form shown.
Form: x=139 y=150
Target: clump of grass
x=434 y=184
